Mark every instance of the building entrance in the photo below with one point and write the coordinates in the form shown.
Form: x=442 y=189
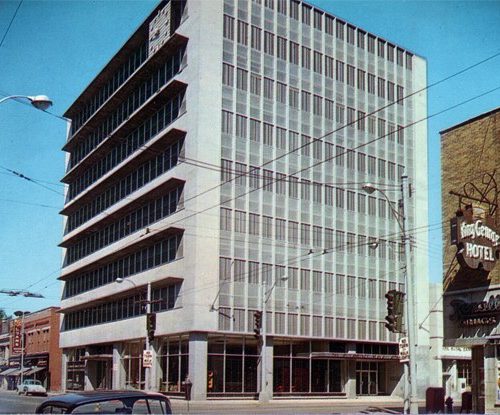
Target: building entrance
x=367 y=378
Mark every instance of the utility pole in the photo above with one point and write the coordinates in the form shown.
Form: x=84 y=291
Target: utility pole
x=410 y=390
x=410 y=301
x=147 y=381
x=263 y=397
x=265 y=294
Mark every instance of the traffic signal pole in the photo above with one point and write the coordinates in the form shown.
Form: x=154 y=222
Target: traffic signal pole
x=263 y=396
x=147 y=380
x=411 y=332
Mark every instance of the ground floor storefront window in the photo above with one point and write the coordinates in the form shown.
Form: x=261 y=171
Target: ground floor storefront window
x=173 y=356
x=232 y=366
x=75 y=369
x=135 y=374
x=298 y=371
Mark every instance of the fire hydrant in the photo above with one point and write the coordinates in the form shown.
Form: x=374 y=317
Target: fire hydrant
x=449 y=404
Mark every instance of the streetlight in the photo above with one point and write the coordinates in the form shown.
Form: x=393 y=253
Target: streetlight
x=15 y=293
x=147 y=369
x=265 y=295
x=22 y=314
x=411 y=375
x=40 y=102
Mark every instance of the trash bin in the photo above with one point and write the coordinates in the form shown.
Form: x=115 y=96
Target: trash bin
x=434 y=400
x=466 y=402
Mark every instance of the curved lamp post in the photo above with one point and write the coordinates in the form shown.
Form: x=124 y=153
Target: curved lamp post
x=147 y=380
x=411 y=376
x=40 y=102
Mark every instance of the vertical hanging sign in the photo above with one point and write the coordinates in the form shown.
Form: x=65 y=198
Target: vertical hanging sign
x=15 y=330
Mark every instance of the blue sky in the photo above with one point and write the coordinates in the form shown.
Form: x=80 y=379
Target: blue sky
x=57 y=47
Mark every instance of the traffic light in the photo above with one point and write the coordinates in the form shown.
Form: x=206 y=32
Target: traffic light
x=151 y=325
x=399 y=310
x=257 y=323
x=391 y=317
x=395 y=311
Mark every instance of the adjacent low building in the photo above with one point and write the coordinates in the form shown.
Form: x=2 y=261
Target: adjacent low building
x=470 y=162
x=41 y=357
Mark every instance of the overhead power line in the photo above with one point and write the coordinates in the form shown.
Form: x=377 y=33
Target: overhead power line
x=29 y=179
x=10 y=23
x=324 y=161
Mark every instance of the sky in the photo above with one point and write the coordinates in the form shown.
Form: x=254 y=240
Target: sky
x=55 y=48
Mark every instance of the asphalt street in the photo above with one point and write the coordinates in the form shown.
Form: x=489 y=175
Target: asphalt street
x=11 y=403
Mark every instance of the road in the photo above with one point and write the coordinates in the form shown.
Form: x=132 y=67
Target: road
x=11 y=403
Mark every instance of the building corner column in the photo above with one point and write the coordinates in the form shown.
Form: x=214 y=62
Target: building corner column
x=490 y=379
x=118 y=371
x=198 y=359
x=64 y=370
x=350 y=384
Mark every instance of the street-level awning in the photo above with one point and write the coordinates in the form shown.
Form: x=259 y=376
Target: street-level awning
x=17 y=371
x=34 y=370
x=9 y=372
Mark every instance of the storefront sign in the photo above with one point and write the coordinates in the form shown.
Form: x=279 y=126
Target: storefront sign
x=15 y=330
x=147 y=358
x=477 y=239
x=481 y=313
x=404 y=349
x=351 y=356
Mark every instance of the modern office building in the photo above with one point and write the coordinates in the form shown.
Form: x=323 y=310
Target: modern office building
x=217 y=163
x=470 y=159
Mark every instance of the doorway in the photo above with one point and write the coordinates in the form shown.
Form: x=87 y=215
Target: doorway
x=367 y=378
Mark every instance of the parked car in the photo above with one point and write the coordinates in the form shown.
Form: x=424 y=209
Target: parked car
x=106 y=402
x=32 y=386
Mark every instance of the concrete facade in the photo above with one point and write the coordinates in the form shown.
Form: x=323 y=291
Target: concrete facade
x=271 y=133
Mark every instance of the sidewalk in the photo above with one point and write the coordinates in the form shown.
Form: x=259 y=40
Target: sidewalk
x=288 y=406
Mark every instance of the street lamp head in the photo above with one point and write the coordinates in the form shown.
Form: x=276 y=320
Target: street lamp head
x=369 y=188
x=284 y=278
x=20 y=313
x=41 y=102
x=119 y=280
x=373 y=245
x=34 y=295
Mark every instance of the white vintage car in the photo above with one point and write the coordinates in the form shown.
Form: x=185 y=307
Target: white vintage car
x=32 y=386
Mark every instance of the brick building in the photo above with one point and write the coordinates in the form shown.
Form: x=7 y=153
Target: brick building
x=471 y=280
x=42 y=357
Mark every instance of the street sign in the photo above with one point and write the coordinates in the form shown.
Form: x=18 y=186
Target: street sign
x=147 y=358
x=404 y=349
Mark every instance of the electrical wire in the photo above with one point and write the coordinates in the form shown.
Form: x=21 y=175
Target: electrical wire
x=468 y=68
x=29 y=203
x=225 y=202
x=29 y=179
x=10 y=23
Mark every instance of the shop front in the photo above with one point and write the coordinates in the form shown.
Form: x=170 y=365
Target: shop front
x=299 y=368
x=472 y=298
